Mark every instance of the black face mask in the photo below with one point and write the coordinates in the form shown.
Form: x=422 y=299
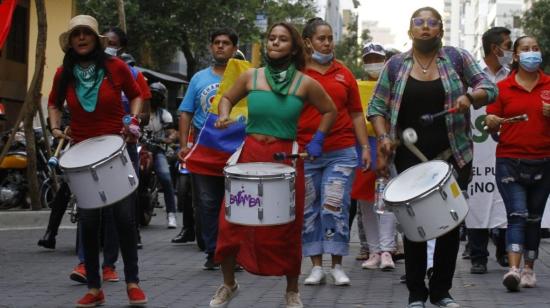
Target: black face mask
x=222 y=62
x=427 y=46
x=281 y=63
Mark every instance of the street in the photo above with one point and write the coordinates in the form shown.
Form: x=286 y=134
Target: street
x=172 y=276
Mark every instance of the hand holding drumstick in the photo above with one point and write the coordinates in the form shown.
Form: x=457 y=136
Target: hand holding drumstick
x=53 y=161
x=492 y=122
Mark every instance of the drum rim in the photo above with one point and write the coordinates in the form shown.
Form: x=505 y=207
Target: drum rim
x=99 y=162
x=423 y=195
x=283 y=175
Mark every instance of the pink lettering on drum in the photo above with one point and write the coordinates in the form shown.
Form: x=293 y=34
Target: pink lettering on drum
x=244 y=199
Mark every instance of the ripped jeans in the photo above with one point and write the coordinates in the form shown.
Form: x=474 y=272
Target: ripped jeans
x=524 y=185
x=326 y=211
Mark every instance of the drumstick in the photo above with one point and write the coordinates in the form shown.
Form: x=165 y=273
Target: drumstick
x=429 y=118
x=409 y=139
x=283 y=156
x=53 y=161
x=512 y=120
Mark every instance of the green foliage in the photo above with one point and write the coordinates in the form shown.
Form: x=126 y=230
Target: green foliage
x=536 y=22
x=156 y=29
x=349 y=49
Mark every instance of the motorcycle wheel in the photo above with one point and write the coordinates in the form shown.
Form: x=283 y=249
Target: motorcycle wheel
x=47 y=194
x=145 y=205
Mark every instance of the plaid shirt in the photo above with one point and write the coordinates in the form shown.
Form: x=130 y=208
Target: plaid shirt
x=388 y=95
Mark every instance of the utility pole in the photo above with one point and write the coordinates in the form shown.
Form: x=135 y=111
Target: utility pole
x=121 y=14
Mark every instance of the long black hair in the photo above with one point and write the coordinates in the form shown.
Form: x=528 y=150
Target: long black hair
x=71 y=58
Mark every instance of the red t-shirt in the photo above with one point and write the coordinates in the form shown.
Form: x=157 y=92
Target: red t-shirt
x=341 y=86
x=529 y=139
x=107 y=116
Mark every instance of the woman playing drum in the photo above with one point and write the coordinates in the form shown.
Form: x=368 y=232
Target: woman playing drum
x=91 y=82
x=276 y=95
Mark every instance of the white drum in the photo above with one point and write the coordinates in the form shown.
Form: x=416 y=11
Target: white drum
x=259 y=194
x=99 y=171
x=426 y=200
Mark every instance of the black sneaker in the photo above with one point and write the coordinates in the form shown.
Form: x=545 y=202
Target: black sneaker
x=209 y=265
x=403 y=279
x=478 y=268
x=184 y=236
x=503 y=260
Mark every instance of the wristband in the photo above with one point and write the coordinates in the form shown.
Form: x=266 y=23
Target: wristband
x=383 y=136
x=470 y=97
x=365 y=146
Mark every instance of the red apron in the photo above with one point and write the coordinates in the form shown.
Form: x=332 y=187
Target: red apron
x=265 y=250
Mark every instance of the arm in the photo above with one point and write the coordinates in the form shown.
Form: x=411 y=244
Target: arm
x=184 y=125
x=360 y=129
x=484 y=90
x=54 y=116
x=231 y=97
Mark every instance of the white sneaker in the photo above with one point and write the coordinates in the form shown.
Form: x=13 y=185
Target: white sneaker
x=386 y=262
x=511 y=280
x=171 y=221
x=339 y=276
x=373 y=262
x=224 y=295
x=317 y=276
x=293 y=300
x=528 y=278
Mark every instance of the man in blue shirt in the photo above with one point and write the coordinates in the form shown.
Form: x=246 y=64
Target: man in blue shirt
x=208 y=190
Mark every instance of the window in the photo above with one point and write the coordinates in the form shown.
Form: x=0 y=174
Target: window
x=16 y=45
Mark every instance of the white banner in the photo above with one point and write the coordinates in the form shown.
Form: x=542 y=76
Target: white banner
x=486 y=205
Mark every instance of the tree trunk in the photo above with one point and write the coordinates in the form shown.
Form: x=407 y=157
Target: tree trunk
x=191 y=61
x=121 y=14
x=33 y=102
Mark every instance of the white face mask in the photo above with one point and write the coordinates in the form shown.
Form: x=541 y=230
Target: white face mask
x=374 y=69
x=506 y=59
x=111 y=51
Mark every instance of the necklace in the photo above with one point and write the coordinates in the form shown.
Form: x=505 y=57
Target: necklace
x=424 y=68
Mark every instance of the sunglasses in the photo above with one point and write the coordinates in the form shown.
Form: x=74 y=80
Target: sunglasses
x=373 y=47
x=431 y=22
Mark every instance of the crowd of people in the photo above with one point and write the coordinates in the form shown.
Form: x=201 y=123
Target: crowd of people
x=304 y=100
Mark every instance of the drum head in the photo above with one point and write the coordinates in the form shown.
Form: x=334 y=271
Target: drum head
x=259 y=169
x=416 y=180
x=91 y=151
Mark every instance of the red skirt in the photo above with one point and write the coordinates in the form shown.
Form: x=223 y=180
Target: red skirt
x=265 y=250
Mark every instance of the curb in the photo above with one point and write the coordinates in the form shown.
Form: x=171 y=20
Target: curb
x=18 y=220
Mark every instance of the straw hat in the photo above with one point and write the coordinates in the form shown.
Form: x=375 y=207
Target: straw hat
x=81 y=21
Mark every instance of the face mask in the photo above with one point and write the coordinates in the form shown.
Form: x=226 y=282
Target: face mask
x=280 y=63
x=427 y=46
x=530 y=60
x=506 y=58
x=374 y=69
x=220 y=62
x=322 y=58
x=112 y=51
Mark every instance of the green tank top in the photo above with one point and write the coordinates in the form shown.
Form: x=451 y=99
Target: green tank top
x=273 y=114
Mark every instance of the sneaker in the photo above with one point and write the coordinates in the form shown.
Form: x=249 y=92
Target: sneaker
x=503 y=260
x=363 y=255
x=110 y=274
x=209 y=265
x=223 y=295
x=90 y=300
x=511 y=280
x=447 y=302
x=136 y=296
x=317 y=276
x=171 y=221
x=528 y=278
x=339 y=276
x=293 y=300
x=403 y=279
x=478 y=268
x=373 y=262
x=79 y=274
x=417 y=304
x=386 y=262
x=185 y=235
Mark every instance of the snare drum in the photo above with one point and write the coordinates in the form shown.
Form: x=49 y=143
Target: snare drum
x=99 y=171
x=426 y=200
x=259 y=194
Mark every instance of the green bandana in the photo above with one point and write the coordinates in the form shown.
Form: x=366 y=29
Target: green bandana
x=87 y=85
x=280 y=80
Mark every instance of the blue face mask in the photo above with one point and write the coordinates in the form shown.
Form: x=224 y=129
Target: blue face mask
x=530 y=60
x=322 y=58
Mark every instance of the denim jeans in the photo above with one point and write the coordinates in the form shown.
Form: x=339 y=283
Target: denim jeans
x=208 y=193
x=162 y=169
x=109 y=236
x=123 y=214
x=326 y=211
x=380 y=229
x=524 y=186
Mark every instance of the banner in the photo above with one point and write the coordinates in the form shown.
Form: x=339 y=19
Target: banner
x=214 y=146
x=6 y=13
x=486 y=206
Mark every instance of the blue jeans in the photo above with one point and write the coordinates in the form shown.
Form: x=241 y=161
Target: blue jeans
x=208 y=193
x=524 y=185
x=162 y=169
x=328 y=181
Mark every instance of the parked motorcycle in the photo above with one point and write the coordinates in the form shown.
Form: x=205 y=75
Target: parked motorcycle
x=13 y=168
x=148 y=189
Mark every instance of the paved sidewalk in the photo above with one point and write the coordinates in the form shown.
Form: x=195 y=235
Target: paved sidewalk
x=172 y=276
